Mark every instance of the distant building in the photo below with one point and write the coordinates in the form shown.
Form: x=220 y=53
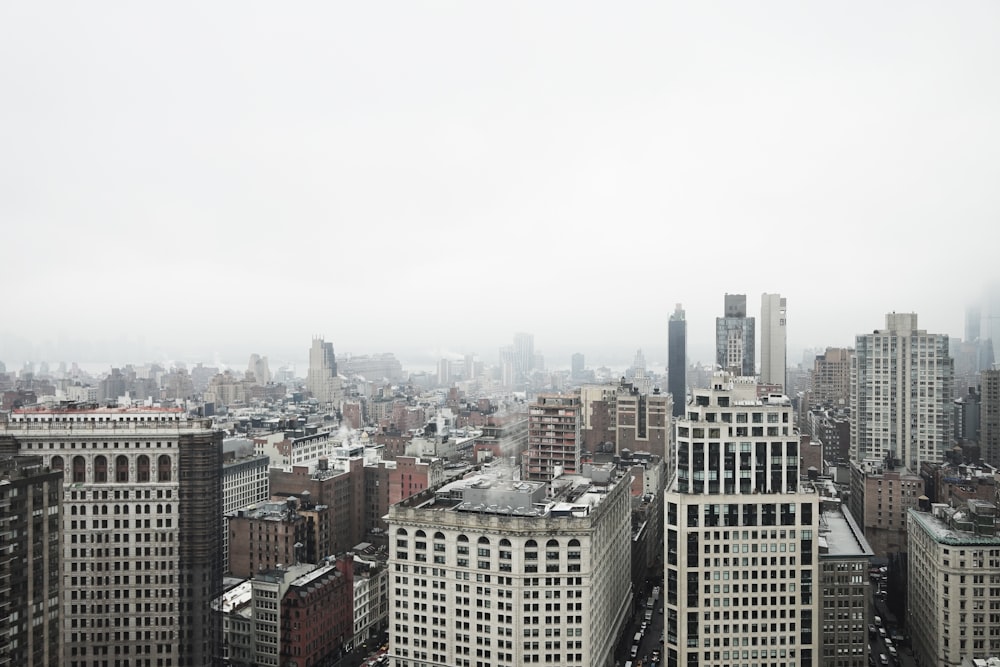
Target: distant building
x=322 y=380
x=989 y=417
x=773 y=340
x=524 y=572
x=831 y=378
x=677 y=360
x=577 y=366
x=553 y=437
x=30 y=570
x=901 y=394
x=880 y=498
x=735 y=338
x=953 y=585
x=258 y=368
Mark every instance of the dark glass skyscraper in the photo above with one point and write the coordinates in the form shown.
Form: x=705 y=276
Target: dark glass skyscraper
x=677 y=359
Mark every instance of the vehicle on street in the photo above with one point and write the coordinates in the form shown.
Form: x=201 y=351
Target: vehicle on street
x=634 y=651
x=883 y=659
x=871 y=629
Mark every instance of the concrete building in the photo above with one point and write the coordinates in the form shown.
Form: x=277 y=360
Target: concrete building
x=880 y=498
x=831 y=378
x=553 y=437
x=735 y=338
x=953 y=584
x=773 y=340
x=901 y=393
x=322 y=380
x=677 y=360
x=371 y=594
x=989 y=417
x=742 y=534
x=245 y=482
x=291 y=615
x=844 y=559
x=30 y=572
x=642 y=421
x=491 y=571
x=142 y=530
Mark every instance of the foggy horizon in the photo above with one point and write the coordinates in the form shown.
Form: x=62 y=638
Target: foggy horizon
x=199 y=181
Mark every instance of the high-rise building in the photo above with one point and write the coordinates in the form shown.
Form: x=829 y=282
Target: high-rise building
x=735 y=338
x=524 y=355
x=831 y=378
x=576 y=366
x=30 y=574
x=258 y=367
x=142 y=530
x=901 y=393
x=553 y=437
x=677 y=360
x=989 y=417
x=773 y=339
x=952 y=575
x=322 y=380
x=495 y=571
x=742 y=534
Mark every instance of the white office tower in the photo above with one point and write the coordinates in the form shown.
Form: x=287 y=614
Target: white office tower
x=322 y=380
x=741 y=548
x=492 y=571
x=142 y=531
x=773 y=340
x=902 y=381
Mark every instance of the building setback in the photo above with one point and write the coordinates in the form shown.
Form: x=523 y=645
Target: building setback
x=142 y=530
x=491 y=571
x=742 y=534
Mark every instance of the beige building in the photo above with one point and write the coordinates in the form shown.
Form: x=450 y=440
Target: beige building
x=491 y=571
x=831 y=378
x=881 y=498
x=953 y=583
x=141 y=530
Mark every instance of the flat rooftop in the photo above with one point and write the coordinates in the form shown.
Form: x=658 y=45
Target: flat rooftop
x=942 y=532
x=840 y=534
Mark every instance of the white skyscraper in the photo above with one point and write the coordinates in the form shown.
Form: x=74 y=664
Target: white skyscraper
x=322 y=380
x=901 y=393
x=741 y=535
x=773 y=339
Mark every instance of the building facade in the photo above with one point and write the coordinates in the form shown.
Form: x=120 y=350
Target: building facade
x=773 y=340
x=953 y=584
x=677 y=360
x=491 y=571
x=831 y=378
x=30 y=573
x=735 y=338
x=553 y=437
x=322 y=380
x=880 y=498
x=245 y=482
x=901 y=393
x=741 y=535
x=142 y=530
x=989 y=417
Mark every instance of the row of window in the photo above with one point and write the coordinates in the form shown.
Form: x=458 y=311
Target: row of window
x=121 y=472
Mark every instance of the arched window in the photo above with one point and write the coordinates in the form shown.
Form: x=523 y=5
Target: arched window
x=530 y=544
x=421 y=533
x=463 y=538
x=79 y=469
x=574 y=542
x=121 y=468
x=439 y=535
x=56 y=463
x=552 y=544
x=504 y=542
x=163 y=468
x=142 y=468
x=401 y=531
x=484 y=540
x=100 y=469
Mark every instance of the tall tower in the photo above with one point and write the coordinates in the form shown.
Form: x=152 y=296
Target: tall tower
x=142 y=530
x=734 y=338
x=741 y=532
x=773 y=339
x=677 y=359
x=902 y=388
x=322 y=380
x=524 y=355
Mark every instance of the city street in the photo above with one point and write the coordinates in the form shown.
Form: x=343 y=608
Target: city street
x=650 y=640
x=893 y=626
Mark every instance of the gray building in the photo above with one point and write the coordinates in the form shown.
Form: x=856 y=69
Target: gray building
x=677 y=360
x=735 y=338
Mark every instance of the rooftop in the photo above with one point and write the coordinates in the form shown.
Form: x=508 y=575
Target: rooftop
x=937 y=523
x=839 y=534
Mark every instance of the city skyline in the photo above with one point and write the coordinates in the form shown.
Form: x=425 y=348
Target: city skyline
x=291 y=173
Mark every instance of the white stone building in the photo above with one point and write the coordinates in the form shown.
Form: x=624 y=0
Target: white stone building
x=741 y=538
x=492 y=571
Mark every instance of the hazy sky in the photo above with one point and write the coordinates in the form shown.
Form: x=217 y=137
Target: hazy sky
x=432 y=177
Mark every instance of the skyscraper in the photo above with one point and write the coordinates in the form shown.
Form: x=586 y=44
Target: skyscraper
x=734 y=338
x=989 y=417
x=142 y=530
x=773 y=339
x=741 y=547
x=677 y=360
x=577 y=366
x=524 y=355
x=901 y=393
x=322 y=380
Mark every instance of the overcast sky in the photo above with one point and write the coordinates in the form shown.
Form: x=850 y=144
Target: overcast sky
x=219 y=178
